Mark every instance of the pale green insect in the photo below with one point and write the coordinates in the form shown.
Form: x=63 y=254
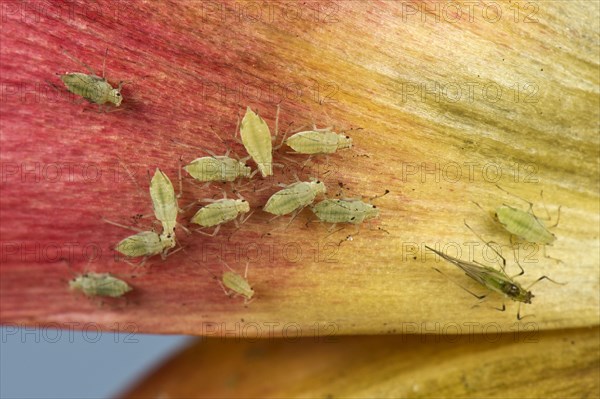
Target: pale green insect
x=146 y=244
x=150 y=243
x=294 y=197
x=99 y=284
x=344 y=211
x=221 y=211
x=525 y=224
x=217 y=168
x=164 y=201
x=493 y=279
x=237 y=284
x=318 y=141
x=257 y=140
x=93 y=88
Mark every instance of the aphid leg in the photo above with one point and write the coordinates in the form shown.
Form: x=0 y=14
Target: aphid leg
x=349 y=237
x=332 y=227
x=296 y=212
x=483 y=210
x=65 y=52
x=104 y=65
x=214 y=233
x=516 y=258
x=550 y=257
x=122 y=225
x=228 y=293
x=470 y=292
x=557 y=217
x=167 y=252
x=543 y=278
x=182 y=227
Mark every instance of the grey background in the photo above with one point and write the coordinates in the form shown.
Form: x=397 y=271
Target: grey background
x=51 y=363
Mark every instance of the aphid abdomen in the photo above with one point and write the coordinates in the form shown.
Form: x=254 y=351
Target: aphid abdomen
x=524 y=224
x=238 y=284
x=92 y=88
x=164 y=200
x=145 y=243
x=216 y=213
x=256 y=138
x=312 y=142
x=219 y=168
x=100 y=284
x=289 y=199
x=344 y=211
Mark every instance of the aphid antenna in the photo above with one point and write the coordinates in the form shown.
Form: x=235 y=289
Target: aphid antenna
x=287 y=132
x=516 y=196
x=209 y=152
x=122 y=225
x=484 y=211
x=83 y=64
x=200 y=264
x=130 y=174
x=229 y=149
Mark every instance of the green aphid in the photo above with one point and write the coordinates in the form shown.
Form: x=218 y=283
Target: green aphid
x=237 y=284
x=99 y=284
x=221 y=211
x=318 y=141
x=164 y=201
x=493 y=279
x=294 y=197
x=344 y=211
x=91 y=87
x=257 y=140
x=146 y=244
x=524 y=224
x=217 y=168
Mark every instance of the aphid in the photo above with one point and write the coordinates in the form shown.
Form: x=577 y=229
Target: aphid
x=93 y=88
x=164 y=201
x=318 y=141
x=150 y=243
x=146 y=244
x=344 y=211
x=257 y=140
x=525 y=224
x=99 y=284
x=492 y=279
x=217 y=168
x=294 y=197
x=221 y=211
x=238 y=284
